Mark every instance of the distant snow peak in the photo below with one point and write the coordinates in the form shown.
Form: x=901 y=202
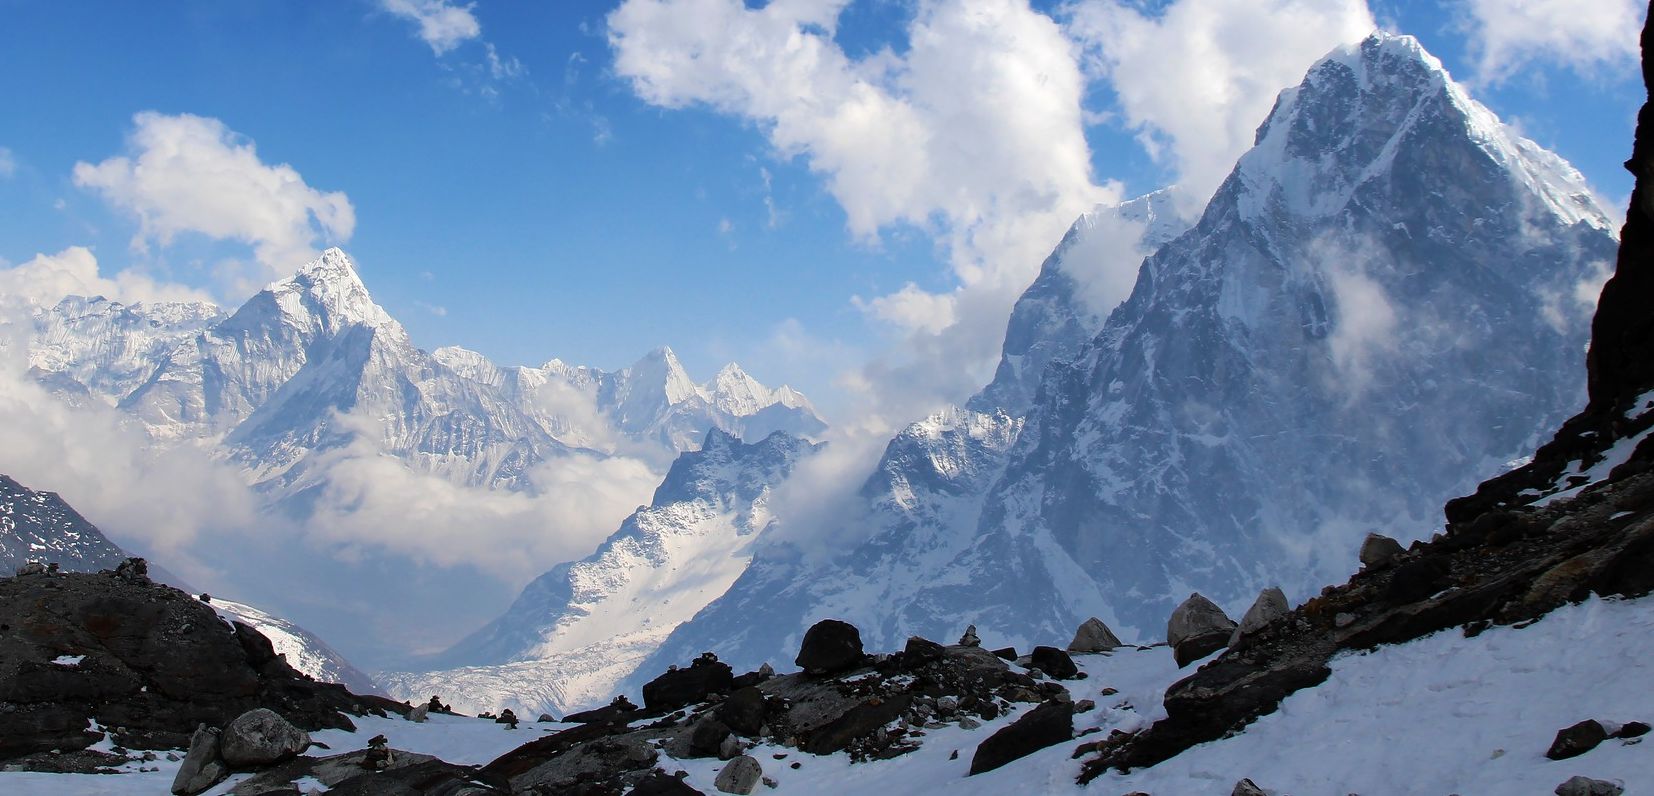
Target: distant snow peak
x=329 y=290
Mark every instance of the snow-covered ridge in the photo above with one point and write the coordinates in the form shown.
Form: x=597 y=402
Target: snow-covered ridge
x=262 y=385
x=304 y=650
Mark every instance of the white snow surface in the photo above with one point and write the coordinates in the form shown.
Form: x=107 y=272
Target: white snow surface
x=304 y=650
x=1442 y=714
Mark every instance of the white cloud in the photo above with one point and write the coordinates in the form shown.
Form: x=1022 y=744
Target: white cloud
x=1585 y=36
x=442 y=25
x=102 y=464
x=47 y=278
x=1196 y=79
x=1364 y=328
x=188 y=173
x=973 y=135
x=373 y=502
x=8 y=163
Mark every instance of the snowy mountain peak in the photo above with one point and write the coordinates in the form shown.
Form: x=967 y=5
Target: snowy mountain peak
x=659 y=370
x=1364 y=103
x=737 y=393
x=328 y=293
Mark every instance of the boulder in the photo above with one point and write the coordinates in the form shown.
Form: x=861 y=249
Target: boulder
x=1054 y=662
x=743 y=711
x=1378 y=551
x=858 y=722
x=1093 y=636
x=1247 y=787
x=1196 y=629
x=739 y=776
x=686 y=686
x=970 y=639
x=707 y=739
x=202 y=768
x=830 y=646
x=920 y=651
x=1631 y=729
x=1049 y=724
x=1584 y=786
x=1270 y=605
x=261 y=737
x=419 y=714
x=1006 y=653
x=1577 y=740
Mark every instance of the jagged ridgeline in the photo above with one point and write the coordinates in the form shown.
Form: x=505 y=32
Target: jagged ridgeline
x=265 y=386
x=1383 y=303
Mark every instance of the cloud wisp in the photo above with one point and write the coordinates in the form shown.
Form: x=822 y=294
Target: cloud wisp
x=193 y=174
x=1587 y=37
x=442 y=25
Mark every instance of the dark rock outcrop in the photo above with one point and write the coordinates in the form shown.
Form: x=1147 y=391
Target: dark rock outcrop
x=679 y=687
x=1054 y=662
x=830 y=646
x=1577 y=740
x=152 y=662
x=1047 y=725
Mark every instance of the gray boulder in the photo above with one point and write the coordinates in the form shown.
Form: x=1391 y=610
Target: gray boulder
x=1093 y=636
x=202 y=767
x=1247 y=787
x=1584 y=786
x=1270 y=605
x=739 y=776
x=1378 y=550
x=261 y=737
x=419 y=714
x=1197 y=628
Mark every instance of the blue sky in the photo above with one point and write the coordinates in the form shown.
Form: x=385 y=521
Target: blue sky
x=545 y=179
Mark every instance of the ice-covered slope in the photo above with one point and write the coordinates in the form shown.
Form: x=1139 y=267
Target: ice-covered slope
x=304 y=650
x=39 y=526
x=578 y=629
x=1375 y=310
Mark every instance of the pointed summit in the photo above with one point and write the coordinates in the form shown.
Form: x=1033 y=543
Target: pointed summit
x=328 y=292
x=737 y=393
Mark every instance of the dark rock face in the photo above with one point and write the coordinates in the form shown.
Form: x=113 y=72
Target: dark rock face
x=155 y=663
x=830 y=646
x=1054 y=662
x=680 y=687
x=1577 y=740
x=857 y=722
x=1047 y=725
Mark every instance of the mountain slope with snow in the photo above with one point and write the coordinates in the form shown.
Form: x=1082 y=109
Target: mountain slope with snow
x=40 y=527
x=1377 y=308
x=578 y=629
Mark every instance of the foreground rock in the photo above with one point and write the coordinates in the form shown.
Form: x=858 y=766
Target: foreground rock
x=1577 y=740
x=1049 y=724
x=260 y=737
x=1196 y=629
x=830 y=646
x=371 y=772
x=153 y=664
x=878 y=708
x=202 y=767
x=1585 y=786
x=1093 y=636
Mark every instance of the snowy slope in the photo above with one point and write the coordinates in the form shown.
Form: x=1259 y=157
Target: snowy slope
x=1287 y=375
x=304 y=651
x=39 y=526
x=578 y=629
